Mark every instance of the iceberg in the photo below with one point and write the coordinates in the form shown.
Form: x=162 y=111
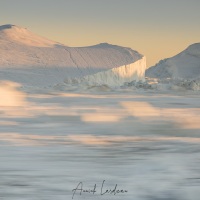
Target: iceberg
x=32 y=60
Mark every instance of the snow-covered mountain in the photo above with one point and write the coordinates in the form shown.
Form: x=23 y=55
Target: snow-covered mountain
x=35 y=61
x=185 y=65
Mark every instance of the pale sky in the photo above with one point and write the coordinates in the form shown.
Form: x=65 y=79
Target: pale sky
x=156 y=28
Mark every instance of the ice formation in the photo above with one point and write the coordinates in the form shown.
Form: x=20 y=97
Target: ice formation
x=32 y=60
x=181 y=72
x=185 y=65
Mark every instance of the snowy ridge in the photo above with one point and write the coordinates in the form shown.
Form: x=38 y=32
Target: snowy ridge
x=185 y=65
x=179 y=73
x=20 y=35
x=35 y=61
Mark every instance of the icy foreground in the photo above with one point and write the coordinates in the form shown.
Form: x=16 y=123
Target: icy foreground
x=35 y=61
x=146 y=144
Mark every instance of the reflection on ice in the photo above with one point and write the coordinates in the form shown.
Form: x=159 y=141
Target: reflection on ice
x=10 y=96
x=141 y=110
x=8 y=123
x=185 y=118
x=18 y=139
x=105 y=117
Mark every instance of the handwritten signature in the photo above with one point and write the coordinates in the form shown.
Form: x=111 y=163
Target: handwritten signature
x=113 y=191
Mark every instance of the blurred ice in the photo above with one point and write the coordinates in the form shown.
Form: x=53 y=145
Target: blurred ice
x=147 y=144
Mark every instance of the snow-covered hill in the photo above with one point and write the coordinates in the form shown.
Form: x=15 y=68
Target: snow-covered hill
x=35 y=61
x=185 y=65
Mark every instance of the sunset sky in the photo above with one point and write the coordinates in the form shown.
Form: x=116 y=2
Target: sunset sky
x=156 y=28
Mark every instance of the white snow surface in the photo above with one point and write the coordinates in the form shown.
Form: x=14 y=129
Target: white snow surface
x=32 y=60
x=185 y=65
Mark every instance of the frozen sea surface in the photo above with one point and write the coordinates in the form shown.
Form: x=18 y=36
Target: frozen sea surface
x=147 y=144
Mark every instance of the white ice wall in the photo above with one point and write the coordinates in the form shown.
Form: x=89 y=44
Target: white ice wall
x=117 y=76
